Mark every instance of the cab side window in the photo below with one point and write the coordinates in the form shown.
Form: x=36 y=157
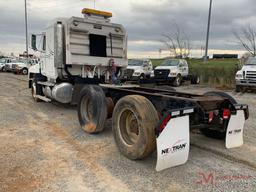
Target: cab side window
x=44 y=43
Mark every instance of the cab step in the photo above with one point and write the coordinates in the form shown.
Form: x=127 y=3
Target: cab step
x=46 y=83
x=43 y=98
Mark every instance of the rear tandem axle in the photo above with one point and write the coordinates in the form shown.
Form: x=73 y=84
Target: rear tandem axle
x=146 y=118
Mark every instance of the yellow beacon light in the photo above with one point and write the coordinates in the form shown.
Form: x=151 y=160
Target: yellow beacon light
x=96 y=12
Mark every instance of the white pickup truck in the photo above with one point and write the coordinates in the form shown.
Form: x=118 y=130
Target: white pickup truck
x=4 y=63
x=174 y=71
x=19 y=65
x=21 y=68
x=246 y=77
x=138 y=69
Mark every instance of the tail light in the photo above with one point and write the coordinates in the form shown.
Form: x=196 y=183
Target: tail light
x=226 y=113
x=164 y=123
x=211 y=114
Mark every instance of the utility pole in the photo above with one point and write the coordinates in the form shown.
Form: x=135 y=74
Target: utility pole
x=208 y=32
x=26 y=28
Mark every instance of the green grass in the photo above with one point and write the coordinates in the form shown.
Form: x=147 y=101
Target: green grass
x=216 y=72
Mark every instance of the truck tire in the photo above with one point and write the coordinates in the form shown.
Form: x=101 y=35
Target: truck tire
x=24 y=71
x=133 y=122
x=110 y=107
x=142 y=76
x=92 y=109
x=195 y=80
x=217 y=134
x=177 y=81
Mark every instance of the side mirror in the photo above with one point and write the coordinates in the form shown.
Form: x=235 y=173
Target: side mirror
x=33 y=42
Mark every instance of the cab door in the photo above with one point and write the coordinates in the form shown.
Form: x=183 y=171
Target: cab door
x=145 y=67
x=183 y=67
x=47 y=61
x=150 y=66
x=186 y=68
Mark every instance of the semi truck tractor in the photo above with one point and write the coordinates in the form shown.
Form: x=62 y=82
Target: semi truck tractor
x=76 y=51
x=79 y=64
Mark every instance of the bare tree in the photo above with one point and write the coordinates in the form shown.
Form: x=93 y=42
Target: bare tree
x=247 y=38
x=177 y=42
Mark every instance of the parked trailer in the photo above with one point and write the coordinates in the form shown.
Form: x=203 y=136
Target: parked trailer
x=144 y=119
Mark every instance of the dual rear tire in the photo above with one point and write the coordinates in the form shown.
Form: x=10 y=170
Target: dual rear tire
x=92 y=109
x=134 y=126
x=134 y=120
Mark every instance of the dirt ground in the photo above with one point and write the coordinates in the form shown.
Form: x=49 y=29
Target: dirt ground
x=43 y=149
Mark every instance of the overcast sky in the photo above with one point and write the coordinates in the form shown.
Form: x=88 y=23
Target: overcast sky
x=145 y=20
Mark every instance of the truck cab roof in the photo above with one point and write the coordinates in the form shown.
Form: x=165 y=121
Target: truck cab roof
x=137 y=62
x=172 y=62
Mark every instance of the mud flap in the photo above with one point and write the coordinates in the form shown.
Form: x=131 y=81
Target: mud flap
x=234 y=134
x=173 y=143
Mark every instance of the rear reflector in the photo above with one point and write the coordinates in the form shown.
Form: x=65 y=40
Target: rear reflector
x=226 y=113
x=175 y=113
x=187 y=111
